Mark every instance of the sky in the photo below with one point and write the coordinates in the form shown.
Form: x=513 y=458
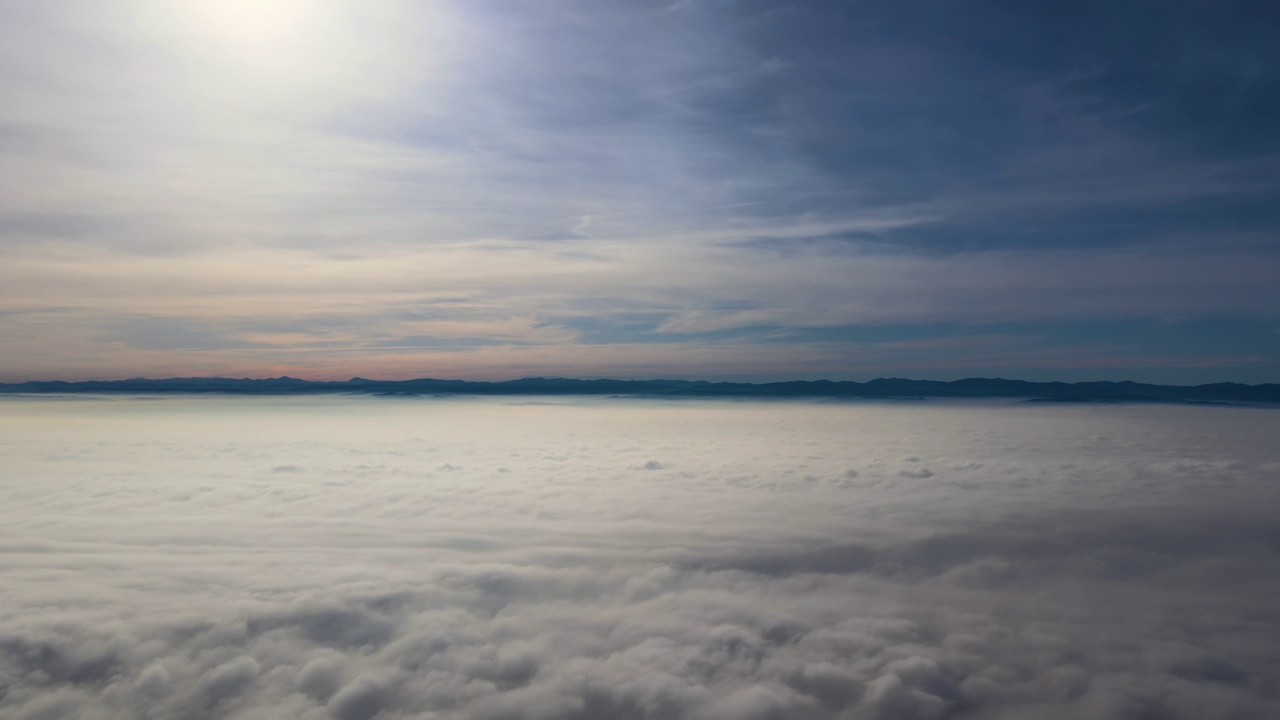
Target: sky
x=718 y=189
x=328 y=558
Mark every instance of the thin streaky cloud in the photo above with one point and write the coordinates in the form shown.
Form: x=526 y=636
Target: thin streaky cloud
x=718 y=167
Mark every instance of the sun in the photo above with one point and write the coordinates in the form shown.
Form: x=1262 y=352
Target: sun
x=292 y=56
x=250 y=24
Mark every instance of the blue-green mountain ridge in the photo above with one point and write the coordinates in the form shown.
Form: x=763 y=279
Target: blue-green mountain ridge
x=881 y=388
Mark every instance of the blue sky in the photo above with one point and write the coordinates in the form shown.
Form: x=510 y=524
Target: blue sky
x=738 y=190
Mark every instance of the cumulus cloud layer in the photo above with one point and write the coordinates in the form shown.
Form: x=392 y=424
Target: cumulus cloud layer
x=360 y=559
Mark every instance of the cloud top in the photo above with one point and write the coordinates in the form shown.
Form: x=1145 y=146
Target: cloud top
x=636 y=559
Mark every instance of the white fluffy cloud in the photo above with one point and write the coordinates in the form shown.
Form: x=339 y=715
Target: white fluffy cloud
x=359 y=559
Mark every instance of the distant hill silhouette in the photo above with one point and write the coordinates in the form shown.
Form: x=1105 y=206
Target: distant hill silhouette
x=882 y=388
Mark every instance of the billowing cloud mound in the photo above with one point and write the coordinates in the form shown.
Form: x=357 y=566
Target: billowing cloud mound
x=361 y=560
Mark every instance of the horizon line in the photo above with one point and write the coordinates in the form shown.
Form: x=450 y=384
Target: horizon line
x=604 y=378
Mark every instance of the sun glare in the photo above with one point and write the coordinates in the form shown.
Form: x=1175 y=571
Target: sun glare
x=274 y=51
x=250 y=22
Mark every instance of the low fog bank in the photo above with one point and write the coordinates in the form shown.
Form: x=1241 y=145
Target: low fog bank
x=359 y=559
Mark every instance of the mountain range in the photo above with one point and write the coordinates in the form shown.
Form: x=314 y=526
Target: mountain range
x=881 y=388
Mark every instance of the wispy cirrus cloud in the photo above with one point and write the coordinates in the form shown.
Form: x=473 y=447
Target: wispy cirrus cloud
x=710 y=168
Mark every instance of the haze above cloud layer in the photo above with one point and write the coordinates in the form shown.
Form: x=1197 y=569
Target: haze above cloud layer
x=741 y=190
x=356 y=559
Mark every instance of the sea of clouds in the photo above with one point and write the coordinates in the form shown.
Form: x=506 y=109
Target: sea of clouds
x=490 y=559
